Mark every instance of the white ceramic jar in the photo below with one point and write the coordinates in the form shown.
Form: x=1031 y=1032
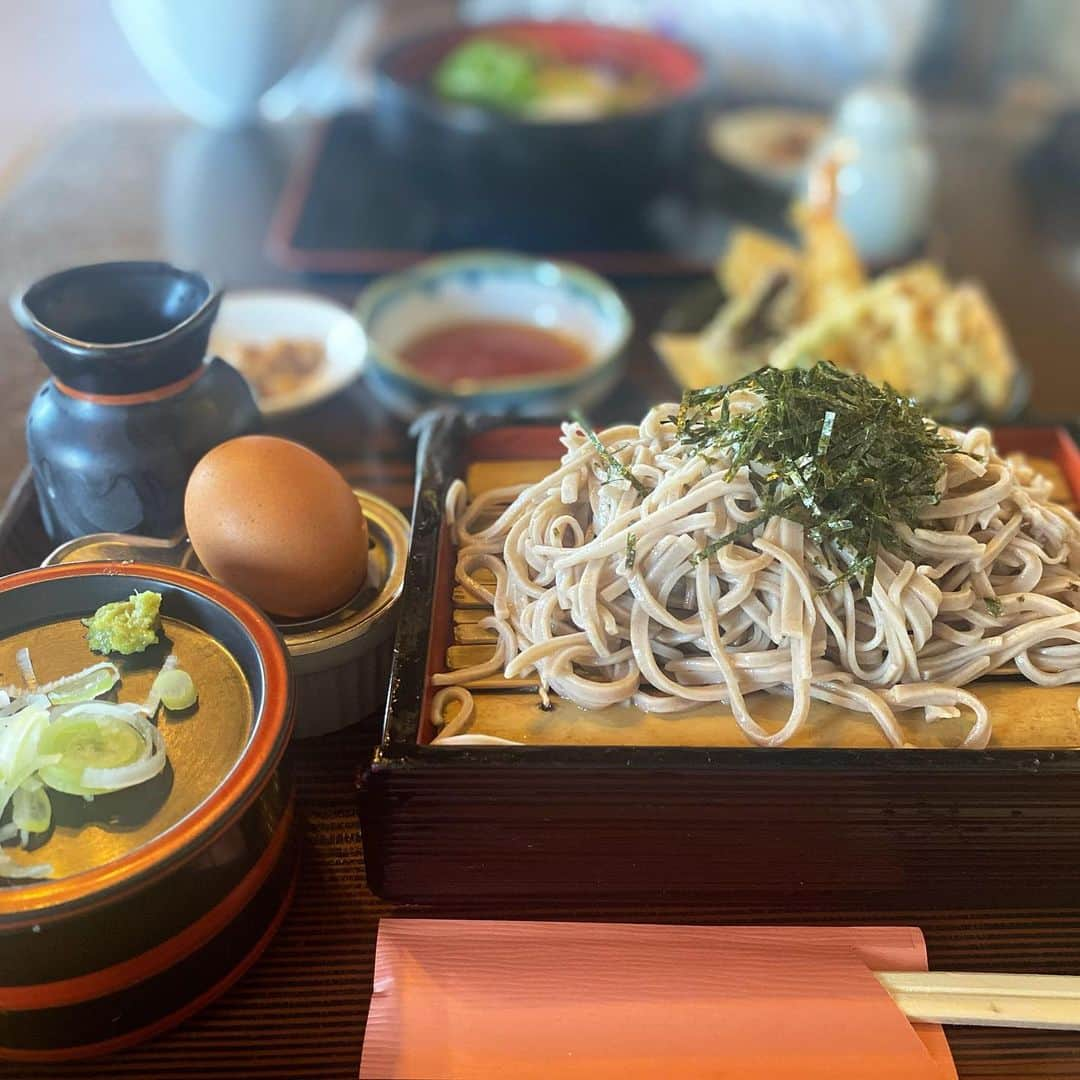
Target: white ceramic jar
x=215 y=60
x=885 y=176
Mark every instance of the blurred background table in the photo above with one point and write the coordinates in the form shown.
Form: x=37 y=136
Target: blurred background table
x=165 y=189
x=131 y=188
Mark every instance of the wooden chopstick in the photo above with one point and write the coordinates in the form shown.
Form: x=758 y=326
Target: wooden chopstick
x=986 y=1000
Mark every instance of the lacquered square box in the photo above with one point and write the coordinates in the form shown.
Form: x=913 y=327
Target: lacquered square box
x=850 y=826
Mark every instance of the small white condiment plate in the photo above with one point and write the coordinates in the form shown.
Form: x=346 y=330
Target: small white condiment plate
x=260 y=317
x=771 y=144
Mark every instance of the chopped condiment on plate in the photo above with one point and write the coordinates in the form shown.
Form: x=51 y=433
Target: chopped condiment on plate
x=485 y=349
x=281 y=366
x=773 y=142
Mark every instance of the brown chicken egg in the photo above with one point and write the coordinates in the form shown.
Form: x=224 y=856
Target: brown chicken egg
x=279 y=524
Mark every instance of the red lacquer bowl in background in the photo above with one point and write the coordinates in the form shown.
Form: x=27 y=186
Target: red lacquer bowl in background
x=604 y=163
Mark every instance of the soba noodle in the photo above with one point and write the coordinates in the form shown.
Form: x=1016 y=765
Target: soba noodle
x=597 y=589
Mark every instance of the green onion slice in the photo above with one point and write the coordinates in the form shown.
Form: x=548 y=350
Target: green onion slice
x=100 y=747
x=61 y=736
x=32 y=810
x=177 y=689
x=20 y=736
x=84 y=685
x=9 y=868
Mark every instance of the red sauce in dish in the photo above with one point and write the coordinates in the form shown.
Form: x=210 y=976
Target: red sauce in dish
x=489 y=349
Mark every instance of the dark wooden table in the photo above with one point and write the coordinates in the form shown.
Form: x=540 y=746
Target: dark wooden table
x=161 y=189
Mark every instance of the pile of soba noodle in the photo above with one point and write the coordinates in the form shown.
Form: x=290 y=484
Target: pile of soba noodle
x=597 y=589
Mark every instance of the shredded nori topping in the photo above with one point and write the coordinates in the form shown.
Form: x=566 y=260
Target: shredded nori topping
x=843 y=457
x=616 y=469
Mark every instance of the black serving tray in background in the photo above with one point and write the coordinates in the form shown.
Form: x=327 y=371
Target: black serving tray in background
x=851 y=829
x=351 y=208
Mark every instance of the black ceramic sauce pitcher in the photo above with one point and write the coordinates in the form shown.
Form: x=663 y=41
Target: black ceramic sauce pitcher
x=133 y=402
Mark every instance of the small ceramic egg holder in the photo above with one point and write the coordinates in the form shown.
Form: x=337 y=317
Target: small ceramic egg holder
x=341 y=660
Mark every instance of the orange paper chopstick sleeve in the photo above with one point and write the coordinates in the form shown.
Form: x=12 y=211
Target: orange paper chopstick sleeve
x=477 y=999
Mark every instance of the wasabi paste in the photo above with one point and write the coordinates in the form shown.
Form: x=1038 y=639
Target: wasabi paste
x=126 y=626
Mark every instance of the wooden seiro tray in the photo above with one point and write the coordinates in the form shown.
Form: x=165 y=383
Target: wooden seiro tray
x=620 y=806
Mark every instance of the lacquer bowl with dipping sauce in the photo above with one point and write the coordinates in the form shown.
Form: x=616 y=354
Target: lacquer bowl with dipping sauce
x=493 y=332
x=160 y=895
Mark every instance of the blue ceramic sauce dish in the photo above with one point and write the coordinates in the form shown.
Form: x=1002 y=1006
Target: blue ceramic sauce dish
x=500 y=288
x=133 y=402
